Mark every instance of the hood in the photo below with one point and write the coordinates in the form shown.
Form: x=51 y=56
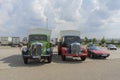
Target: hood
x=36 y=43
x=99 y=52
x=75 y=43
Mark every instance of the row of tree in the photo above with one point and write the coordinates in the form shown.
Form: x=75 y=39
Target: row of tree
x=102 y=41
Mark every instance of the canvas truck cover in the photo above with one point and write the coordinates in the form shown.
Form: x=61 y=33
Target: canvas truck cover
x=69 y=33
x=39 y=31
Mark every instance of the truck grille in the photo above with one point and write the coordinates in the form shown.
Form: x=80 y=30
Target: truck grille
x=36 y=50
x=75 y=49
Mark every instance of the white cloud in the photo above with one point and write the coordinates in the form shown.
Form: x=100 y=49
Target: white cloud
x=39 y=8
x=94 y=18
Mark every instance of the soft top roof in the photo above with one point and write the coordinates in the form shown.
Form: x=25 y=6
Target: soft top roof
x=39 y=31
x=69 y=33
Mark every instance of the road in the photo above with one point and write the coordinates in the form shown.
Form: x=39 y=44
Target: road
x=13 y=68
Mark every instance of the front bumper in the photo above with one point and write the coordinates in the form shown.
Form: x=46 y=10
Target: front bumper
x=113 y=48
x=75 y=55
x=34 y=57
x=101 y=55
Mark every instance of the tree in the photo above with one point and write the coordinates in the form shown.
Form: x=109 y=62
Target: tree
x=119 y=42
x=112 y=41
x=94 y=40
x=103 y=40
x=86 y=40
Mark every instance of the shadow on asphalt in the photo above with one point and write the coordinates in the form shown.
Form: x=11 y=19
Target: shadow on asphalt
x=57 y=59
x=17 y=61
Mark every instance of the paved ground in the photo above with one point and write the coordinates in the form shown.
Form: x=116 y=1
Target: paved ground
x=13 y=68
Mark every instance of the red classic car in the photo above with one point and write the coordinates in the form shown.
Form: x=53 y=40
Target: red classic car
x=95 y=52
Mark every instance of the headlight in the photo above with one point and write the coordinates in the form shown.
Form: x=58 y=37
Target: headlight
x=24 y=49
x=48 y=49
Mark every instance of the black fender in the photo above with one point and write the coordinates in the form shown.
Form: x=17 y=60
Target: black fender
x=50 y=51
x=24 y=51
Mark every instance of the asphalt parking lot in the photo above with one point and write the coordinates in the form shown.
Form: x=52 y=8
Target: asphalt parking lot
x=13 y=68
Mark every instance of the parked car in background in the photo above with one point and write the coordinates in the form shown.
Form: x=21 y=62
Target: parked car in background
x=111 y=47
x=15 y=42
x=89 y=45
x=95 y=52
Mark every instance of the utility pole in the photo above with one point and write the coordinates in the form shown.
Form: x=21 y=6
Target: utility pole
x=47 y=23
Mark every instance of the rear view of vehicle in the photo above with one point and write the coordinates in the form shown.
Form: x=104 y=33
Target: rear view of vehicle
x=15 y=41
x=111 y=47
x=69 y=45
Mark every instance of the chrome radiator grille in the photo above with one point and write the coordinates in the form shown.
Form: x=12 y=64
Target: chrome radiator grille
x=36 y=50
x=75 y=48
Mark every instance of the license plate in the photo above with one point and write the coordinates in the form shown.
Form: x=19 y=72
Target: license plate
x=104 y=55
x=36 y=57
x=76 y=57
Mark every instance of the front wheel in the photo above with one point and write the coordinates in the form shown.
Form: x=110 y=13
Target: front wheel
x=59 y=52
x=63 y=58
x=92 y=56
x=83 y=58
x=104 y=57
x=25 y=60
x=49 y=59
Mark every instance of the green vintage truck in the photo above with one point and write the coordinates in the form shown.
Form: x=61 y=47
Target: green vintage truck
x=39 y=46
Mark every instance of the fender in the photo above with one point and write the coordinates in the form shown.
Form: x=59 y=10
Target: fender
x=64 y=50
x=24 y=51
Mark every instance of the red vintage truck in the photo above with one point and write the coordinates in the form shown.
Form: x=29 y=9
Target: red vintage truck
x=69 y=45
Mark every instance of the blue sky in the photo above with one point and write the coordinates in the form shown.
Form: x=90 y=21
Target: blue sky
x=94 y=18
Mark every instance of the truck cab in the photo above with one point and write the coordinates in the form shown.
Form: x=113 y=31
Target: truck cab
x=69 y=45
x=39 y=46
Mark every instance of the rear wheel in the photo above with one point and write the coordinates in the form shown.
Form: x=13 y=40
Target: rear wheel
x=83 y=58
x=25 y=60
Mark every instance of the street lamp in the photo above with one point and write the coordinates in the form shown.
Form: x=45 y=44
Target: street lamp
x=47 y=23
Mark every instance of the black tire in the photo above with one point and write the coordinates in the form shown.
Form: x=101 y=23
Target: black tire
x=88 y=54
x=59 y=52
x=104 y=57
x=83 y=58
x=63 y=58
x=92 y=56
x=25 y=60
x=49 y=59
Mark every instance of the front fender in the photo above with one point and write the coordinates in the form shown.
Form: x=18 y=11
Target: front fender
x=64 y=51
x=50 y=51
x=24 y=51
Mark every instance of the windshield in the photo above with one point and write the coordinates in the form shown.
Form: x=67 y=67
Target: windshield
x=94 y=48
x=71 y=39
x=90 y=45
x=37 y=38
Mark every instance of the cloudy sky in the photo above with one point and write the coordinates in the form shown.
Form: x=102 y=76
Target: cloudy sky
x=94 y=18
